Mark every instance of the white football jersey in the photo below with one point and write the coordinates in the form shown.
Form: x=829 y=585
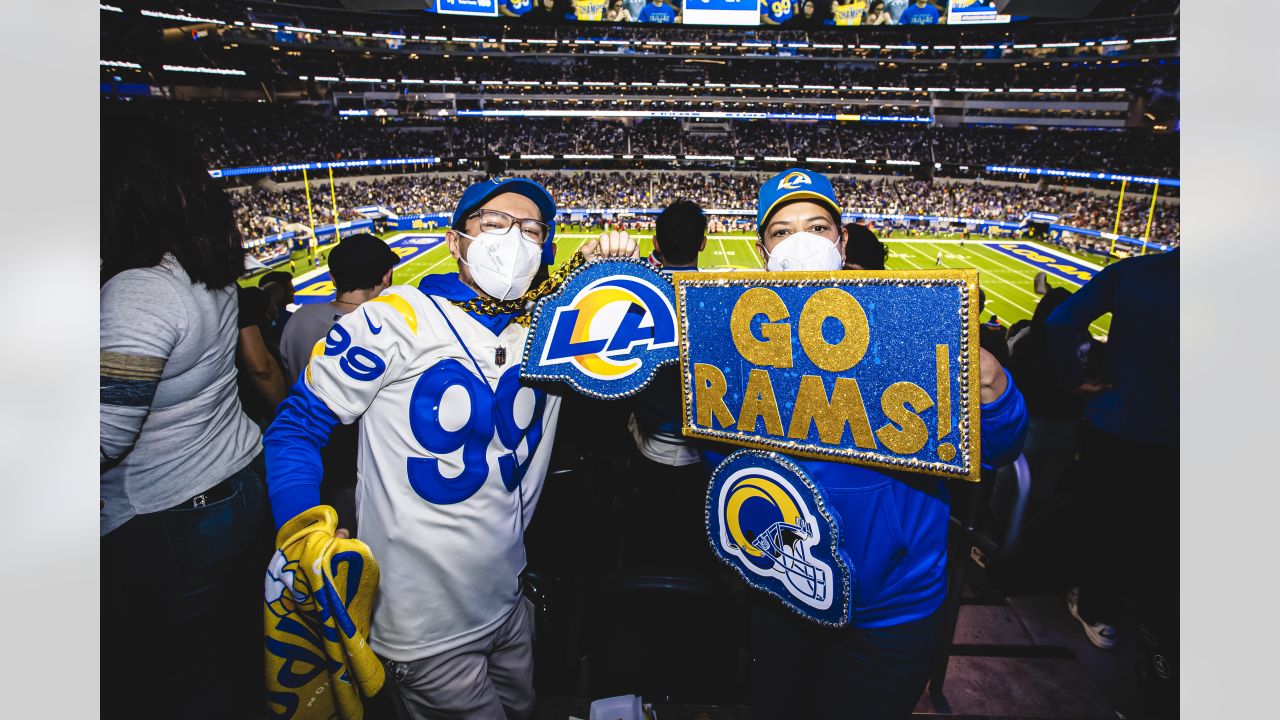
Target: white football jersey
x=453 y=453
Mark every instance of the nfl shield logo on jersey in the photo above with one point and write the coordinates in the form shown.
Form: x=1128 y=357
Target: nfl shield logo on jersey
x=769 y=521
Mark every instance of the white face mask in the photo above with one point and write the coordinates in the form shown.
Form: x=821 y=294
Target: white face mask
x=804 y=251
x=502 y=264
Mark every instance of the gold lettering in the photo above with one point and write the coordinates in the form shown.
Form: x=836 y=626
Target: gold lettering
x=760 y=402
x=773 y=348
x=943 y=367
x=913 y=434
x=708 y=399
x=838 y=304
x=844 y=407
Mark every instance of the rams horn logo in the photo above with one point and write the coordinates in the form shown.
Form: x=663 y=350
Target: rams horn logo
x=598 y=329
x=282 y=594
x=770 y=530
x=794 y=180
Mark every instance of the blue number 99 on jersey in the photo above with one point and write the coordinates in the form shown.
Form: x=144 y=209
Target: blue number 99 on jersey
x=512 y=413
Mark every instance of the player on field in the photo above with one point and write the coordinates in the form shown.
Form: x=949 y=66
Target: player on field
x=453 y=452
x=896 y=523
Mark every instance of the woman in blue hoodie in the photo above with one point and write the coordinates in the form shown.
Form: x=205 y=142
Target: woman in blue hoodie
x=894 y=523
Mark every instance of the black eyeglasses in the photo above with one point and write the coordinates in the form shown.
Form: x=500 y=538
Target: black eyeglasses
x=498 y=221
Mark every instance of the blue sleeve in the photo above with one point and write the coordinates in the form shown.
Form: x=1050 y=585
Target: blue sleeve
x=292 y=445
x=1003 y=426
x=1073 y=316
x=644 y=14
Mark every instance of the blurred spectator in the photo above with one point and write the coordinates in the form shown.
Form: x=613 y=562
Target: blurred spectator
x=262 y=385
x=922 y=12
x=1129 y=439
x=361 y=266
x=876 y=14
x=283 y=281
x=862 y=249
x=679 y=235
x=183 y=507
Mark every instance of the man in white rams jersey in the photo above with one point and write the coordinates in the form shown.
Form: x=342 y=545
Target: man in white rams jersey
x=453 y=453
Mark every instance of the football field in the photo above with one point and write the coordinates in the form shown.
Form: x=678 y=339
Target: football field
x=1006 y=267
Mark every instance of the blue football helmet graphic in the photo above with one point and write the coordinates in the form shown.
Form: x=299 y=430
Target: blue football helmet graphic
x=766 y=525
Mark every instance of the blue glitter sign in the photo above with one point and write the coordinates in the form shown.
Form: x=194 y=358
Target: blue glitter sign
x=768 y=520
x=606 y=331
x=871 y=368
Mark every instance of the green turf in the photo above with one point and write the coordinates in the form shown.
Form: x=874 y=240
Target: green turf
x=1007 y=282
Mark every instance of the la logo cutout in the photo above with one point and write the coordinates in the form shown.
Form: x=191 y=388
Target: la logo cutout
x=606 y=331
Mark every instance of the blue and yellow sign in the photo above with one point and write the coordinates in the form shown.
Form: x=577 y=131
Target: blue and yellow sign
x=768 y=520
x=606 y=331
x=871 y=368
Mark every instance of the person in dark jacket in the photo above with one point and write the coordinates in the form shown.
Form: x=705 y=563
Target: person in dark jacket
x=896 y=524
x=1129 y=437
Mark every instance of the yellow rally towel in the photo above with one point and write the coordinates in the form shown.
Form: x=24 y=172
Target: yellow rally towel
x=319 y=598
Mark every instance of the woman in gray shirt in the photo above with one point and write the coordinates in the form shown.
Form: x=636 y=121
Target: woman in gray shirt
x=182 y=506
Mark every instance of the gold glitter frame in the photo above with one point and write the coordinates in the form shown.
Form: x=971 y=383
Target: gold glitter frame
x=968 y=465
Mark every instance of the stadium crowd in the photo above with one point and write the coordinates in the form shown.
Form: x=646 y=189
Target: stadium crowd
x=236 y=135
x=260 y=211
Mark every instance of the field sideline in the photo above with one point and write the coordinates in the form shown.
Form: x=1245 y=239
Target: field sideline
x=1005 y=279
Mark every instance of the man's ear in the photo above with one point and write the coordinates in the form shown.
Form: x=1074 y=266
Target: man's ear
x=386 y=279
x=454 y=241
x=703 y=246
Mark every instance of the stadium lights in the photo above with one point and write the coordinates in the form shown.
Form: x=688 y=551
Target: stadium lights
x=1156 y=40
x=205 y=70
x=412 y=81
x=354 y=33
x=389 y=36
x=979 y=47
x=944 y=47
x=326 y=78
x=777 y=158
x=1028 y=46
x=708 y=157
x=1115 y=42
x=1112 y=90
x=304 y=30
x=264 y=26
x=842 y=161
x=184 y=18
x=659 y=157
x=902 y=162
x=119 y=64
x=1062 y=45
x=109 y=8
x=364 y=80
x=1057 y=90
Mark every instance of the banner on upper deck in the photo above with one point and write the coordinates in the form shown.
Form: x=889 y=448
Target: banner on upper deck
x=870 y=368
x=606 y=331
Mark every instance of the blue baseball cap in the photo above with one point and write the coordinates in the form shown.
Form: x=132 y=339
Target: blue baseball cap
x=794 y=184
x=481 y=192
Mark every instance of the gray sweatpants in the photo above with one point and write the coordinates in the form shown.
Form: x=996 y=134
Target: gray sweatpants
x=490 y=678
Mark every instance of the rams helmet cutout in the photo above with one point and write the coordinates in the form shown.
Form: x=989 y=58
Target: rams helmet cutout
x=769 y=521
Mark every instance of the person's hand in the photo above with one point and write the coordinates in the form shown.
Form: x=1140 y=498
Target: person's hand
x=611 y=243
x=342 y=533
x=991 y=374
x=1090 y=388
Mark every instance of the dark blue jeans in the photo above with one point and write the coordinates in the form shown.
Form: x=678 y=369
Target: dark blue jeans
x=181 y=595
x=800 y=669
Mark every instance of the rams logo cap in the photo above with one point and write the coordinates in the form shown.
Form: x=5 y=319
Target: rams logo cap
x=795 y=184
